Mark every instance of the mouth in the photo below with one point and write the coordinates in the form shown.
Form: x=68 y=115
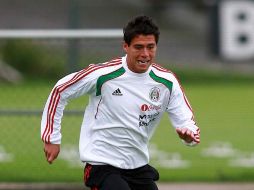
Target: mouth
x=144 y=62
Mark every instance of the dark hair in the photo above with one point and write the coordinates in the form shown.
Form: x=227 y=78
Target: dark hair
x=140 y=25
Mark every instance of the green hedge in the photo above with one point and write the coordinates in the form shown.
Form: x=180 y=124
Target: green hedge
x=34 y=59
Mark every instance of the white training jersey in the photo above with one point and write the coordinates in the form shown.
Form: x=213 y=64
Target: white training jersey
x=123 y=111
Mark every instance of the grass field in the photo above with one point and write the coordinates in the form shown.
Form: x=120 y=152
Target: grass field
x=223 y=110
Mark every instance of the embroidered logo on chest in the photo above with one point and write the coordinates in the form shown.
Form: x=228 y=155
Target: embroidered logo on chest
x=154 y=94
x=117 y=92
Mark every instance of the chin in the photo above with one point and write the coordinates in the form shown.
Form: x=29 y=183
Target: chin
x=142 y=70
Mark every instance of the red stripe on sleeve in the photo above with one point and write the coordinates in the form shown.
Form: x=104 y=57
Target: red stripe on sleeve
x=55 y=97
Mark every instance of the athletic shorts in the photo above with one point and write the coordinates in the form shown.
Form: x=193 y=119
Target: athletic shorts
x=106 y=177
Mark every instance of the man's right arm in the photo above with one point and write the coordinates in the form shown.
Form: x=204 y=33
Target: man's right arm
x=51 y=151
x=71 y=86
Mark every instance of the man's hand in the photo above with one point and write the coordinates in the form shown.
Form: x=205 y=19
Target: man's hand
x=187 y=135
x=51 y=151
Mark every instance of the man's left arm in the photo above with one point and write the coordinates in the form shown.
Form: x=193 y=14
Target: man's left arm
x=182 y=117
x=189 y=137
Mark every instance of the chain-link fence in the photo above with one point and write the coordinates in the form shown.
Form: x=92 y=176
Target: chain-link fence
x=41 y=63
x=29 y=68
x=34 y=66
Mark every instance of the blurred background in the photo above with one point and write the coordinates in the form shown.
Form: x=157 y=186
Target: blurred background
x=209 y=44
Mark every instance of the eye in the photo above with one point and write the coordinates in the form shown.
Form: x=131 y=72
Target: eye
x=150 y=47
x=138 y=47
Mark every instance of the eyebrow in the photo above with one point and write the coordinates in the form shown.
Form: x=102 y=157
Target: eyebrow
x=142 y=45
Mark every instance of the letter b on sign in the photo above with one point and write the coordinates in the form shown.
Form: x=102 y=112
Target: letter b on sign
x=236 y=29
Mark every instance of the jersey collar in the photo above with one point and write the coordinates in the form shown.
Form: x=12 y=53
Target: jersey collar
x=125 y=66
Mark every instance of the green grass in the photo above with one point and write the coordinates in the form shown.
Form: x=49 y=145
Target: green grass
x=224 y=113
x=223 y=110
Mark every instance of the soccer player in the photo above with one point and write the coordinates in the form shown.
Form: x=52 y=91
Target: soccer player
x=127 y=97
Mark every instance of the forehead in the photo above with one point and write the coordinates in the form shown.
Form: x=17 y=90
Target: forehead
x=143 y=39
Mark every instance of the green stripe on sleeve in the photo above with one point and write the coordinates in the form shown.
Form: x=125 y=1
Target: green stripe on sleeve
x=164 y=81
x=104 y=78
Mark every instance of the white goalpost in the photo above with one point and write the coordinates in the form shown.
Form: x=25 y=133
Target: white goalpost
x=71 y=35
x=61 y=33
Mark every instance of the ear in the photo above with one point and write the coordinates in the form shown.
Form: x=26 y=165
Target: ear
x=125 y=47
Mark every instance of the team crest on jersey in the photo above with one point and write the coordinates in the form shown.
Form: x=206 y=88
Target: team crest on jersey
x=154 y=94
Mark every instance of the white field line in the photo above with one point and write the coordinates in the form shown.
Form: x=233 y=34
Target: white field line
x=4 y=156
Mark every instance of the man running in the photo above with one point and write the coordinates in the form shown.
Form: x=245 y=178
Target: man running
x=127 y=97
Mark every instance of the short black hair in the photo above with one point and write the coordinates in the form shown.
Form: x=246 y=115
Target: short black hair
x=140 y=25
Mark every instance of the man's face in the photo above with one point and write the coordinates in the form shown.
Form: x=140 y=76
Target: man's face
x=140 y=53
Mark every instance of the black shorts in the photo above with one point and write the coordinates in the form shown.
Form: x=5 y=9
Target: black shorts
x=106 y=177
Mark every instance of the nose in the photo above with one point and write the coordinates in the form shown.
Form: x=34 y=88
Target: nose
x=145 y=52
